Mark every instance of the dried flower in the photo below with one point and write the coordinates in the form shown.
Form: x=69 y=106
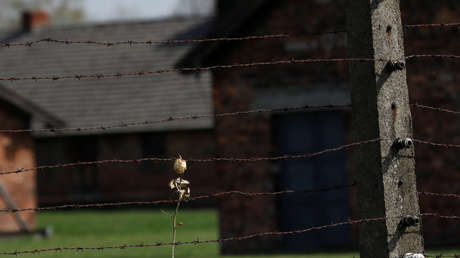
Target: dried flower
x=181 y=186
x=180 y=165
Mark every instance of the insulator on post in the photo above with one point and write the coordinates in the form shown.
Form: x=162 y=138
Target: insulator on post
x=403 y=143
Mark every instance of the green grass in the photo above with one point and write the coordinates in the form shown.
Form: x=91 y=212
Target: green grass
x=99 y=228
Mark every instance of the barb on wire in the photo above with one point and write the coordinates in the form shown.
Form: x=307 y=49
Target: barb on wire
x=169 y=119
x=187 y=69
x=237 y=238
x=163 y=42
x=215 y=67
x=438 y=56
x=193 y=41
x=432 y=25
x=145 y=42
x=445 y=195
x=196 y=242
x=444 y=145
x=436 y=109
x=156 y=159
x=436 y=215
x=199 y=197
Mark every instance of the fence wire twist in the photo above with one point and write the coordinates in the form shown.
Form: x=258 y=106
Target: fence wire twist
x=193 y=41
x=199 y=116
x=216 y=67
x=201 y=197
x=236 y=238
x=176 y=118
x=438 y=109
x=216 y=159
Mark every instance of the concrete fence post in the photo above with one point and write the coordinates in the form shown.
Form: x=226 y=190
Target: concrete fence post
x=384 y=172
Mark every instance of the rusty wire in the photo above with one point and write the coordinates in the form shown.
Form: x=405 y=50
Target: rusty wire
x=237 y=238
x=171 y=118
x=145 y=42
x=216 y=67
x=443 y=145
x=444 y=195
x=215 y=159
x=193 y=41
x=436 y=109
x=193 y=117
x=187 y=69
x=199 y=197
x=432 y=25
x=436 y=56
x=195 y=242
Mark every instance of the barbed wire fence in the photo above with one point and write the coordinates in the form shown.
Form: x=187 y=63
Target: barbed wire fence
x=239 y=114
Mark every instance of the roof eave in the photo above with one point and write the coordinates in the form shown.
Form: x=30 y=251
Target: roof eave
x=30 y=107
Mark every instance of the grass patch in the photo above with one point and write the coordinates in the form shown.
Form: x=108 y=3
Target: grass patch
x=100 y=228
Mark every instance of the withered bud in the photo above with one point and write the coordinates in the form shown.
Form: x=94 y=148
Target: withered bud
x=180 y=165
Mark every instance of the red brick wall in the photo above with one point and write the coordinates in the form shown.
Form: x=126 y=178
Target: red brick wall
x=234 y=90
x=17 y=151
x=242 y=138
x=117 y=182
x=434 y=83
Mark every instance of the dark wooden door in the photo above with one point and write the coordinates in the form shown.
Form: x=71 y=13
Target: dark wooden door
x=307 y=133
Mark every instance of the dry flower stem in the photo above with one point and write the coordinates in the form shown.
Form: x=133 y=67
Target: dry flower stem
x=175 y=225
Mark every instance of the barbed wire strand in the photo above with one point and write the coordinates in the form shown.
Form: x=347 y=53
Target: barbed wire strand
x=144 y=42
x=443 y=145
x=432 y=25
x=215 y=67
x=436 y=109
x=444 y=195
x=193 y=117
x=175 y=118
x=199 y=197
x=193 y=41
x=237 y=238
x=187 y=69
x=216 y=159
x=437 y=56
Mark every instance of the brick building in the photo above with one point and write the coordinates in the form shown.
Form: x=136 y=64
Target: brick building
x=93 y=102
x=83 y=103
x=433 y=83
x=17 y=151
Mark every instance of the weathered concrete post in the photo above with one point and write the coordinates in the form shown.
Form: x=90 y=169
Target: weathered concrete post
x=385 y=172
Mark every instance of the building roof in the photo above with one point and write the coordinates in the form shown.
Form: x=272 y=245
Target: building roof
x=229 y=24
x=30 y=108
x=88 y=102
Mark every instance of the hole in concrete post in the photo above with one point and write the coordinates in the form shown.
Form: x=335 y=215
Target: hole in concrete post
x=389 y=28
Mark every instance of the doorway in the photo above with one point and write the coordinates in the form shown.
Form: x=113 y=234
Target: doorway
x=301 y=133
